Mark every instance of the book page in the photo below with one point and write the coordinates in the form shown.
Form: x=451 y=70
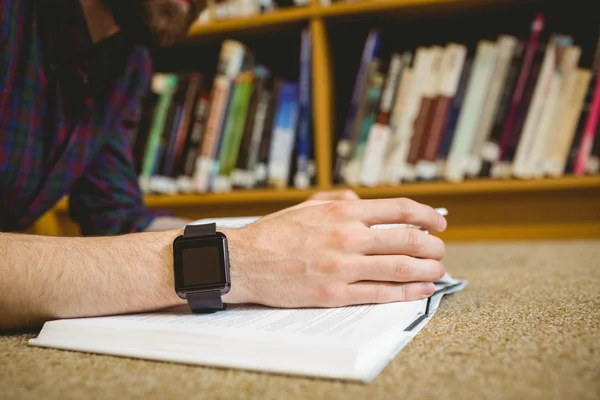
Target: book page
x=352 y=323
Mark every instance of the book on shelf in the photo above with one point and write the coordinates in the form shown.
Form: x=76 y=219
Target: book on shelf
x=349 y=343
x=231 y=9
x=508 y=107
x=249 y=129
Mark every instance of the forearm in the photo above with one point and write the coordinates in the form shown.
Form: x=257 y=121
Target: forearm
x=43 y=278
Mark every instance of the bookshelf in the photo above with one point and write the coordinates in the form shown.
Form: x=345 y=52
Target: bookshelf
x=480 y=209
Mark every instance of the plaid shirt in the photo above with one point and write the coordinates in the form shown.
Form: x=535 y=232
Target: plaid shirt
x=67 y=112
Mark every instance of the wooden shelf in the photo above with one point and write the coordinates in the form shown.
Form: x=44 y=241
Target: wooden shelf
x=317 y=11
x=567 y=207
x=374 y=6
x=275 y=18
x=487 y=186
x=484 y=186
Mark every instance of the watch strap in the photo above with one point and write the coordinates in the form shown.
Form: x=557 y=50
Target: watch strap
x=209 y=301
x=200 y=230
x=206 y=302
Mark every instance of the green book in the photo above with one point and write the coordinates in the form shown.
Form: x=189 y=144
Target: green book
x=164 y=85
x=234 y=125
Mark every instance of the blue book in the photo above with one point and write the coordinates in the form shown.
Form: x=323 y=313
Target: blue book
x=343 y=150
x=283 y=134
x=302 y=178
x=454 y=112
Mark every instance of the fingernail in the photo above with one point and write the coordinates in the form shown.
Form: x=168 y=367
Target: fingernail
x=427 y=289
x=443 y=271
x=443 y=223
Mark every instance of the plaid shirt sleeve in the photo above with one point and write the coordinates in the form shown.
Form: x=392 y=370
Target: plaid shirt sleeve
x=107 y=199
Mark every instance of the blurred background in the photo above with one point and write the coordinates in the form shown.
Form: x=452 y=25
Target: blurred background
x=488 y=108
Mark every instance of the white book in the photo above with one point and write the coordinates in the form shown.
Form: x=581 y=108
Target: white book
x=506 y=48
x=230 y=64
x=560 y=92
x=555 y=162
x=349 y=343
x=545 y=89
x=374 y=173
x=394 y=168
x=479 y=82
x=451 y=68
x=430 y=90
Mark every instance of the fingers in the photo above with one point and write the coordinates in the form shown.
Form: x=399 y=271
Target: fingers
x=393 y=269
x=384 y=292
x=404 y=241
x=389 y=211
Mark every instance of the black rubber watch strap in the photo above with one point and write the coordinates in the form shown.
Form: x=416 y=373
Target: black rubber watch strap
x=206 y=302
x=200 y=230
x=203 y=302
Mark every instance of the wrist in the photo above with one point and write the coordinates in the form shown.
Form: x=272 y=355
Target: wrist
x=238 y=258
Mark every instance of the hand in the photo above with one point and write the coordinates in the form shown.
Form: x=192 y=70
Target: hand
x=341 y=194
x=325 y=255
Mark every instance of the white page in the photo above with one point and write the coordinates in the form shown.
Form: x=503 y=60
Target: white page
x=343 y=325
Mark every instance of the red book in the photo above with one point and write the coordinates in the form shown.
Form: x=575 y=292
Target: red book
x=511 y=118
x=589 y=132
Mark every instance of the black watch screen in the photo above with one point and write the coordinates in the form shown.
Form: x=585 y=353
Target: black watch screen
x=200 y=263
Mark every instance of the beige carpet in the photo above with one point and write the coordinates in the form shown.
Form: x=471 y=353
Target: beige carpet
x=527 y=326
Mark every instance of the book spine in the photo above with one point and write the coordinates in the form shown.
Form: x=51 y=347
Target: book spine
x=200 y=115
x=490 y=151
x=233 y=130
x=506 y=48
x=502 y=169
x=576 y=143
x=485 y=59
x=523 y=160
x=394 y=169
x=589 y=131
x=453 y=115
x=557 y=159
x=593 y=164
x=187 y=117
x=258 y=129
x=424 y=116
x=390 y=91
x=344 y=147
x=376 y=144
x=352 y=170
x=283 y=136
x=505 y=137
x=261 y=170
x=165 y=84
x=452 y=65
x=567 y=59
x=173 y=125
x=230 y=63
x=379 y=142
x=302 y=176
x=240 y=174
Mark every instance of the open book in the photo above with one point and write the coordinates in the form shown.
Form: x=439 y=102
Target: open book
x=352 y=343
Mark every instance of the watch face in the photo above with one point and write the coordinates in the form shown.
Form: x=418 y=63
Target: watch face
x=200 y=264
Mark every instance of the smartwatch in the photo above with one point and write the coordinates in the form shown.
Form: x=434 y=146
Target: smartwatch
x=201 y=267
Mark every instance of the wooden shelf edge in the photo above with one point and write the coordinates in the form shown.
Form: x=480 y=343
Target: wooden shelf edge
x=230 y=198
x=481 y=186
x=373 y=6
x=305 y=13
x=405 y=190
x=275 y=18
